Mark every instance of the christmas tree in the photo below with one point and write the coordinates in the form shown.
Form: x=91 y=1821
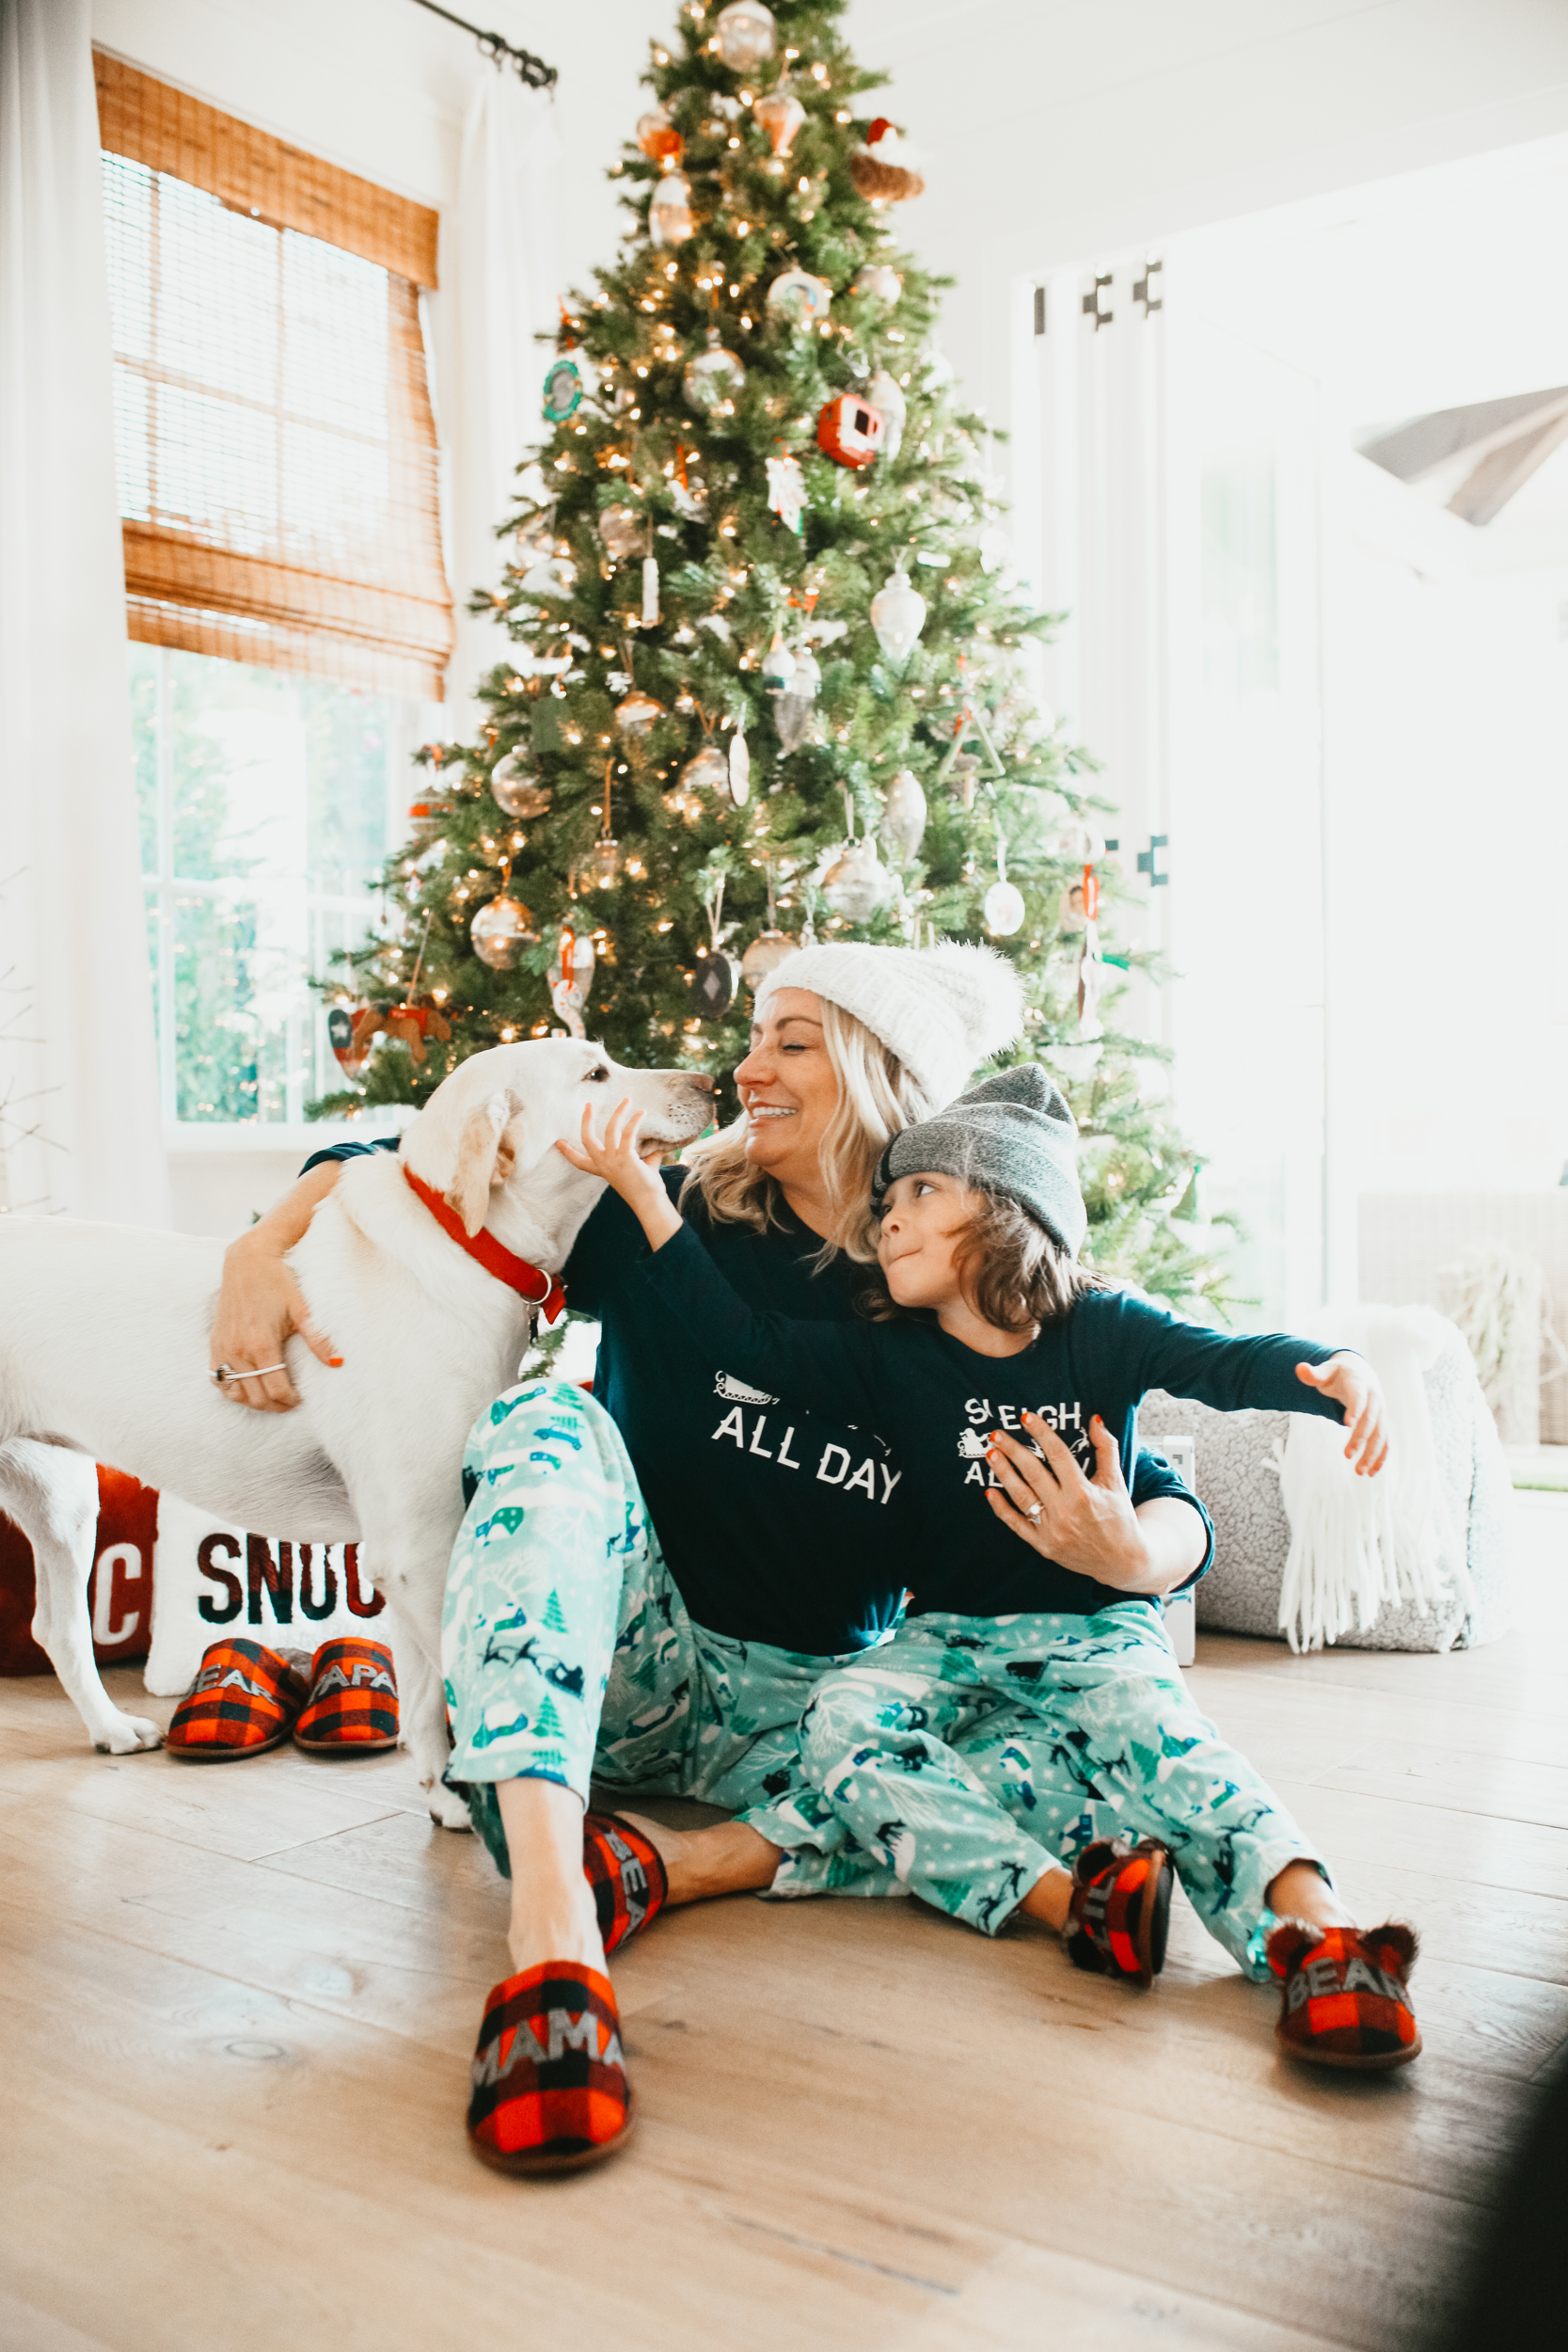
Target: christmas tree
x=772 y=676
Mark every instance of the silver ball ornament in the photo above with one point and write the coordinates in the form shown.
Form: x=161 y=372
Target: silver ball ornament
x=500 y=930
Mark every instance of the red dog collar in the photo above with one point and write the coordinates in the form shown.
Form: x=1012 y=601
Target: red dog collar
x=531 y=1282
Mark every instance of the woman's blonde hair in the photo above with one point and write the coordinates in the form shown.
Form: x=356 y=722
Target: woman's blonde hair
x=876 y=1099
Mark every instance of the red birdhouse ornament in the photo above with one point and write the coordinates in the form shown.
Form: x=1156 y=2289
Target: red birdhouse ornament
x=850 y=431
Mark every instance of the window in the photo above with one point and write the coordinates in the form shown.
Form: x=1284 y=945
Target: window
x=286 y=602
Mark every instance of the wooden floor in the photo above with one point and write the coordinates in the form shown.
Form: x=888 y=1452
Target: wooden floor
x=238 y=2008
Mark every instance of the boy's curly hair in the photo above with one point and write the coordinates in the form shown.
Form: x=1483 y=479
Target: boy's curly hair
x=1014 y=1275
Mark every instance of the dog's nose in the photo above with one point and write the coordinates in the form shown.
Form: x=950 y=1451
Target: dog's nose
x=700 y=1079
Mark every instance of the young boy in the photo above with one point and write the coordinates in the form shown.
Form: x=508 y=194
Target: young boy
x=1004 y=1371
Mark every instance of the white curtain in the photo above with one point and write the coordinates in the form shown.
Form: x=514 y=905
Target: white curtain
x=498 y=272
x=80 y=1126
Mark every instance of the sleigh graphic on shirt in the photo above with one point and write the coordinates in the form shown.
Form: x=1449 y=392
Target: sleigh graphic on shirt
x=735 y=1391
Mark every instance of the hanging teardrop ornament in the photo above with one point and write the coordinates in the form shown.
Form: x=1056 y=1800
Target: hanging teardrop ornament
x=897 y=615
x=904 y=813
x=780 y=115
x=740 y=769
x=1005 y=912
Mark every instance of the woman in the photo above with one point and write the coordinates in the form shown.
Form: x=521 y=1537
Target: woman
x=773 y=1556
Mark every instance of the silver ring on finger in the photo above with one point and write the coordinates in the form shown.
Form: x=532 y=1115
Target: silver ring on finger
x=1034 y=1511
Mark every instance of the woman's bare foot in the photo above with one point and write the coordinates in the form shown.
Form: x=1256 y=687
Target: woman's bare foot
x=553 y=1913
x=727 y=1858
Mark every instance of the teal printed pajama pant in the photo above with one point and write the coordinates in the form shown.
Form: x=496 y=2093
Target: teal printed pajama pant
x=567 y=1651
x=968 y=1754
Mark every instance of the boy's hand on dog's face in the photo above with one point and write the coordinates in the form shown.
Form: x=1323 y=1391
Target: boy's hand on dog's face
x=615 y=1155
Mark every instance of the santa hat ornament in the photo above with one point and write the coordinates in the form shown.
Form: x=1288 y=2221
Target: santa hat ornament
x=883 y=169
x=943 y=1010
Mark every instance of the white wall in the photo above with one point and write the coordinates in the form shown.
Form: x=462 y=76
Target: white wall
x=1058 y=130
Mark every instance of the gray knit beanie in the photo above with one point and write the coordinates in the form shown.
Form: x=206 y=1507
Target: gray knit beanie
x=1011 y=1134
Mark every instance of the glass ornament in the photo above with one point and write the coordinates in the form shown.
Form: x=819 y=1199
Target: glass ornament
x=780 y=115
x=568 y=382
x=426 y=820
x=635 y=712
x=516 y=788
x=877 y=279
x=898 y=615
x=794 y=709
x=670 y=216
x=714 y=982
x=858 y=882
x=765 y=954
x=778 y=666
x=1005 y=909
x=706 y=770
x=744 y=35
x=903 y=823
x=884 y=393
x=622 y=530
x=604 y=862
x=713 y=377
x=500 y=930
x=799 y=297
x=740 y=769
x=658 y=136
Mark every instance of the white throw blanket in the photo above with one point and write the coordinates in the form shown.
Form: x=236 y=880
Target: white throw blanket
x=1359 y=1544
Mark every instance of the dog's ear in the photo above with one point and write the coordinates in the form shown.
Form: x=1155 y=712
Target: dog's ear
x=523 y=1144
x=478 y=1152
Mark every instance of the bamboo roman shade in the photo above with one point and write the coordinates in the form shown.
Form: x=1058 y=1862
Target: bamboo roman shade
x=274 y=439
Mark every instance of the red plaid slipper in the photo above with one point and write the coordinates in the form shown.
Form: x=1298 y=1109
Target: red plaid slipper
x=354 y=1699
x=1345 y=1998
x=1121 y=1909
x=549 y=2080
x=242 y=1702
x=626 y=1873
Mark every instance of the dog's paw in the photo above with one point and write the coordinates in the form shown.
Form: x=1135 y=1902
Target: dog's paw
x=128 y=1734
x=446 y=1810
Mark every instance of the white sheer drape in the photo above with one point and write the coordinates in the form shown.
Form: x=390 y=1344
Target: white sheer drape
x=80 y=1127
x=498 y=272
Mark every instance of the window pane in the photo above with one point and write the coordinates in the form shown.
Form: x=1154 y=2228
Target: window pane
x=280 y=795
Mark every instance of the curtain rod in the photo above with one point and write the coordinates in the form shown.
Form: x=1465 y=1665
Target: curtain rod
x=532 y=69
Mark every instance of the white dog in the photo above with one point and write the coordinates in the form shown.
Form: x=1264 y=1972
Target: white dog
x=103 y=1334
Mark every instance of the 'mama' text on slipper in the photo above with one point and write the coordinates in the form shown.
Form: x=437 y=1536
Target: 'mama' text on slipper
x=549 y=2080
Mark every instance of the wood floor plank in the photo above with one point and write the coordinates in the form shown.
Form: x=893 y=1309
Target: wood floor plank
x=1030 y=2298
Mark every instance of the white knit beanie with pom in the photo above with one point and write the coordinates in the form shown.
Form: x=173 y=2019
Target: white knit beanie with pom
x=943 y=1010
